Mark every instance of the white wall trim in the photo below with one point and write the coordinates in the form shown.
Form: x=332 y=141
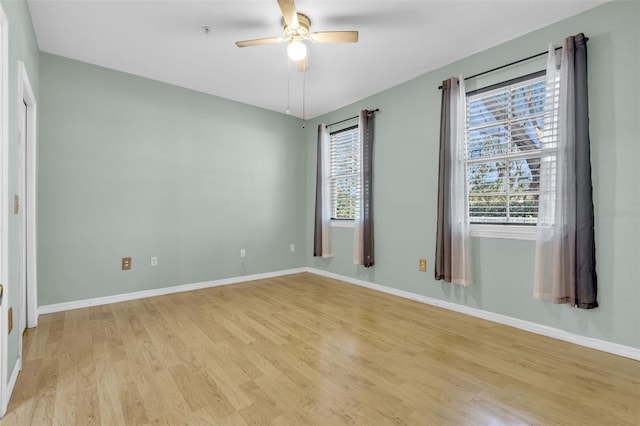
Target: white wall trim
x=29 y=238
x=14 y=376
x=4 y=207
x=97 y=301
x=589 y=342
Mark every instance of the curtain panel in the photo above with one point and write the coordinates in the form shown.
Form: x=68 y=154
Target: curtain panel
x=565 y=264
x=453 y=250
x=322 y=226
x=363 y=244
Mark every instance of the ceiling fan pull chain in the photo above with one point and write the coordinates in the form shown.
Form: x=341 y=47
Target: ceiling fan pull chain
x=304 y=90
x=288 y=110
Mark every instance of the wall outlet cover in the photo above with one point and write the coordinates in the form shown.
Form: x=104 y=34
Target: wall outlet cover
x=422 y=265
x=126 y=263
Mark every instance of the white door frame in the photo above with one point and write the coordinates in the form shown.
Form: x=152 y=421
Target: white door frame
x=28 y=259
x=4 y=205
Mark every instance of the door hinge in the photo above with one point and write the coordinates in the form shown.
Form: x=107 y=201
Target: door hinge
x=16 y=204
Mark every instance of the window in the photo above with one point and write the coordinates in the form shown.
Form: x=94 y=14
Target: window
x=344 y=172
x=505 y=127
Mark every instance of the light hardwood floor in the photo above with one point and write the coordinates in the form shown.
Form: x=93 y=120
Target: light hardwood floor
x=307 y=350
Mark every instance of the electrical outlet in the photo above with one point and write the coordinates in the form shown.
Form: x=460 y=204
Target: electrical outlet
x=292 y=248
x=154 y=261
x=126 y=263
x=243 y=253
x=422 y=265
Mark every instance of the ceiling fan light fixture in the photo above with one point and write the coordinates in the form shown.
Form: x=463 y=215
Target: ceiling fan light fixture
x=296 y=50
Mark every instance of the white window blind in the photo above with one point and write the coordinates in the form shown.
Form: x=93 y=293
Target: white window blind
x=505 y=133
x=345 y=171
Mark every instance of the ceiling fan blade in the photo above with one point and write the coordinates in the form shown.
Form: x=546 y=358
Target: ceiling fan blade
x=334 y=37
x=303 y=64
x=259 y=42
x=289 y=13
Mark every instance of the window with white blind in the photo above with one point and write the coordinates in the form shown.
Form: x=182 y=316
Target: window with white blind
x=505 y=130
x=344 y=173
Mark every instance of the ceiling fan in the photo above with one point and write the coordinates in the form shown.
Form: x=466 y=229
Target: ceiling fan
x=296 y=30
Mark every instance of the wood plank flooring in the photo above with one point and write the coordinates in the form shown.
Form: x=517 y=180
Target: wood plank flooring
x=307 y=350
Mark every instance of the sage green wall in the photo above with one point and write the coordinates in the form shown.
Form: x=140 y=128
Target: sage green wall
x=134 y=167
x=405 y=179
x=22 y=47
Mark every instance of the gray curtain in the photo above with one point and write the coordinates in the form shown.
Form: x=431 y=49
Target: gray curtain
x=585 y=269
x=442 y=265
x=317 y=229
x=367 y=119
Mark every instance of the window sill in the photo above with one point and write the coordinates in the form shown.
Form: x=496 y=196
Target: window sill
x=342 y=224
x=510 y=232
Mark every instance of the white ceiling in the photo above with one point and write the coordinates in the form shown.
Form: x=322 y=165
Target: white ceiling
x=399 y=40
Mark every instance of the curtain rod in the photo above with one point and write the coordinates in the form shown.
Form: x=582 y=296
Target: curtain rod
x=351 y=118
x=511 y=63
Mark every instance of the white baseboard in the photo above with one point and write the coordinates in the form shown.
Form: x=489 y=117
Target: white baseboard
x=76 y=304
x=14 y=377
x=589 y=342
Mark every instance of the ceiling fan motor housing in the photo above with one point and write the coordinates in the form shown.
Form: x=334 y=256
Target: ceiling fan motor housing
x=299 y=33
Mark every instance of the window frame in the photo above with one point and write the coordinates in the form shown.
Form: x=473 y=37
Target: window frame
x=517 y=231
x=336 y=221
x=343 y=223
